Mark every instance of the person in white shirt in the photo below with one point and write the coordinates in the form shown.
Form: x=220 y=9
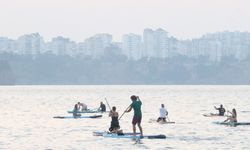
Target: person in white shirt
x=82 y=106
x=163 y=114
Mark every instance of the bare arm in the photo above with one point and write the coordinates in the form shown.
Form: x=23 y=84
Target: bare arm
x=138 y=98
x=110 y=113
x=230 y=112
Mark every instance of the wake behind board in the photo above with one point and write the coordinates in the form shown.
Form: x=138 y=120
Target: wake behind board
x=77 y=117
x=114 y=135
x=232 y=123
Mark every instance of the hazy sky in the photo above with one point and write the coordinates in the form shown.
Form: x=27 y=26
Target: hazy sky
x=79 y=19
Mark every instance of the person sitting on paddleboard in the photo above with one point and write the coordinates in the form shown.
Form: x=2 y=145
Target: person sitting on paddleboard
x=82 y=106
x=221 y=110
x=163 y=114
x=75 y=111
x=233 y=117
x=114 y=127
x=136 y=105
x=102 y=107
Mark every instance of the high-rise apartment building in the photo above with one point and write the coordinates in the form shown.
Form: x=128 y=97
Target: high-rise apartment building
x=131 y=46
x=30 y=44
x=155 y=43
x=96 y=44
x=62 y=46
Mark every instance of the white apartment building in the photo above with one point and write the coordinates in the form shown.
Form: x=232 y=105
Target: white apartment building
x=131 y=46
x=30 y=44
x=59 y=46
x=96 y=44
x=7 y=45
x=155 y=43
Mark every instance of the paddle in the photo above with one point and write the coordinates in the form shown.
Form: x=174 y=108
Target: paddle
x=168 y=119
x=125 y=111
x=108 y=104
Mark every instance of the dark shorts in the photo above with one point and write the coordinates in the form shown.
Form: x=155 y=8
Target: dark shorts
x=136 y=120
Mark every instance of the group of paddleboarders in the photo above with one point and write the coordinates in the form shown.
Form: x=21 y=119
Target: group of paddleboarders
x=232 y=118
x=137 y=117
x=80 y=107
x=136 y=106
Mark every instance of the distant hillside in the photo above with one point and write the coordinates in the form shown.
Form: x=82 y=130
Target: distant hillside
x=117 y=69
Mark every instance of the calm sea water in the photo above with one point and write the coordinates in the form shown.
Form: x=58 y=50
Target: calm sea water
x=27 y=117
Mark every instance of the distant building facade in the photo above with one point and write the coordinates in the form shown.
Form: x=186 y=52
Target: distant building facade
x=153 y=44
x=131 y=46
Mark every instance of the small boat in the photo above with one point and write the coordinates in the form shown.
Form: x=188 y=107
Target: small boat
x=232 y=123
x=77 y=117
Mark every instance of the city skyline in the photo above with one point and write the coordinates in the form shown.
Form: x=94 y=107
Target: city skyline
x=153 y=43
x=46 y=39
x=80 y=19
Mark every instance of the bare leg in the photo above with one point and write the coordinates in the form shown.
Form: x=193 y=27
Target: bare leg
x=139 y=125
x=134 y=129
x=226 y=119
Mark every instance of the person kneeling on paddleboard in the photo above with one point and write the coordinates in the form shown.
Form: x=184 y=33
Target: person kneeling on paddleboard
x=163 y=114
x=233 y=118
x=221 y=110
x=82 y=106
x=114 y=127
x=75 y=111
x=102 y=107
x=136 y=105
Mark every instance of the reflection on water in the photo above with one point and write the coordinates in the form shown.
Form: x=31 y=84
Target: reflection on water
x=27 y=117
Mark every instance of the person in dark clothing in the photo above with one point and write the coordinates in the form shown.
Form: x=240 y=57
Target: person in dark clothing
x=75 y=111
x=102 y=107
x=114 y=126
x=221 y=110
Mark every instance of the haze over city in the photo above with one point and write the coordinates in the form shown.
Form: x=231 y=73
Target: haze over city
x=110 y=41
x=79 y=19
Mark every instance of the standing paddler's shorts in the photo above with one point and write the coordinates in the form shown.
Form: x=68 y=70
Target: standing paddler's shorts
x=136 y=120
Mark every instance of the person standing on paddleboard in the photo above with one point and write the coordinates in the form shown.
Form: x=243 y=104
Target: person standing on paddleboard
x=136 y=105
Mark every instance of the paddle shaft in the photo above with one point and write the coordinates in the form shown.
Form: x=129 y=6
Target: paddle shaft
x=168 y=119
x=108 y=104
x=124 y=111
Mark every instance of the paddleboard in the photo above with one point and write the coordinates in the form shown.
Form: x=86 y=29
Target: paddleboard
x=101 y=133
x=114 y=135
x=212 y=115
x=86 y=111
x=161 y=122
x=77 y=117
x=232 y=123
